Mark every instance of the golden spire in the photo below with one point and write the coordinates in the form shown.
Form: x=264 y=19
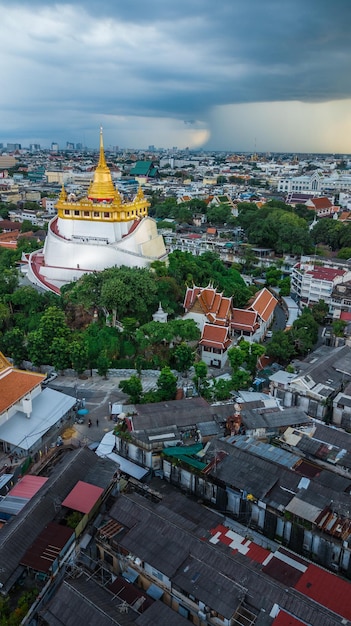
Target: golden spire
x=102 y=187
x=63 y=194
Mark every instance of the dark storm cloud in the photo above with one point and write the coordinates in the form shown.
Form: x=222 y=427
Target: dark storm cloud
x=163 y=59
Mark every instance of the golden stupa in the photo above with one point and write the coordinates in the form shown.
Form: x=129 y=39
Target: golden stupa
x=103 y=192
x=94 y=232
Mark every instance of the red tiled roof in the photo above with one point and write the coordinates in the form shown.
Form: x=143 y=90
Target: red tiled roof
x=264 y=304
x=345 y=216
x=8 y=225
x=224 y=308
x=15 y=385
x=214 y=305
x=190 y=297
x=325 y=273
x=82 y=497
x=215 y=336
x=244 y=320
x=345 y=316
x=321 y=203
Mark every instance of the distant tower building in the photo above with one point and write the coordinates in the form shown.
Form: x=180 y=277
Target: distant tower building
x=69 y=145
x=54 y=147
x=79 y=146
x=34 y=147
x=93 y=233
x=11 y=147
x=160 y=315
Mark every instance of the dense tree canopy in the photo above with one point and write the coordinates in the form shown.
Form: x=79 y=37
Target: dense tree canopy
x=275 y=225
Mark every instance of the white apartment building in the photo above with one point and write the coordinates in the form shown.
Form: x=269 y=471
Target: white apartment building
x=311 y=282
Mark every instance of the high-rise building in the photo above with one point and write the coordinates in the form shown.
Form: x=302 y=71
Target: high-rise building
x=12 y=147
x=54 y=147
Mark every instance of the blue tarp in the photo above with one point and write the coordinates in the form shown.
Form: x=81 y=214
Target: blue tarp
x=154 y=592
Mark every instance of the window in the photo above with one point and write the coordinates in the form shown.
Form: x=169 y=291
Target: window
x=66 y=212
x=106 y=214
x=96 y=214
x=217 y=351
x=86 y=214
x=76 y=212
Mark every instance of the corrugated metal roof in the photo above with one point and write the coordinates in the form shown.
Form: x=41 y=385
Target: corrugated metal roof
x=211 y=587
x=47 y=547
x=160 y=614
x=16 y=537
x=267 y=451
x=28 y=486
x=82 y=601
x=48 y=408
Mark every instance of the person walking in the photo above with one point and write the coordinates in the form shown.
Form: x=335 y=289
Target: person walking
x=97 y=422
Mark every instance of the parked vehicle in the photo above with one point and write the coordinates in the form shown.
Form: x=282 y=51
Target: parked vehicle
x=49 y=378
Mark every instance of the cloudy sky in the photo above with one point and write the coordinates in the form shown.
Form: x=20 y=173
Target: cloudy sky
x=253 y=75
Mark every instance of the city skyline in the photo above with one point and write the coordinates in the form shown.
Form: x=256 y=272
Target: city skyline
x=239 y=76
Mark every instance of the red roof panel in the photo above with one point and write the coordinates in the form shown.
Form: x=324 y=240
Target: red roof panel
x=327 y=589
x=284 y=619
x=82 y=497
x=28 y=486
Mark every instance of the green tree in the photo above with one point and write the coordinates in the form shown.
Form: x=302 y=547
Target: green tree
x=28 y=300
x=221 y=389
x=241 y=379
x=199 y=379
x=338 y=327
x=319 y=311
x=53 y=324
x=115 y=297
x=284 y=286
x=281 y=347
x=5 y=315
x=85 y=291
x=183 y=357
x=344 y=253
x=220 y=214
x=253 y=351
x=273 y=276
x=236 y=358
x=39 y=352
x=8 y=281
x=133 y=388
x=26 y=226
x=79 y=356
x=167 y=384
x=103 y=365
x=12 y=343
x=60 y=353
